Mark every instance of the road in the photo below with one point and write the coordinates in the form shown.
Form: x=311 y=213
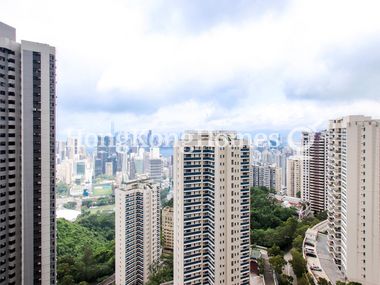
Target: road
x=288 y=269
x=256 y=280
x=326 y=261
x=268 y=272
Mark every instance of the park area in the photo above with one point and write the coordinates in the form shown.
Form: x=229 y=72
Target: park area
x=103 y=189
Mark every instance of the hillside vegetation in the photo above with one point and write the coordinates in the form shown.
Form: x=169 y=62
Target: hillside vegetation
x=85 y=249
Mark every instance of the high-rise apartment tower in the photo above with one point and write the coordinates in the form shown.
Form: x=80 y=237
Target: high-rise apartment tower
x=354 y=197
x=137 y=231
x=211 y=209
x=27 y=161
x=314 y=170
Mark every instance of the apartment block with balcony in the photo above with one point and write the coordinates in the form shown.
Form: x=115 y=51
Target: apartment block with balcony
x=269 y=176
x=314 y=170
x=27 y=161
x=354 y=197
x=293 y=176
x=167 y=228
x=137 y=231
x=211 y=209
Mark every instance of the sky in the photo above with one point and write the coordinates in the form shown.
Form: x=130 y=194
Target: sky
x=206 y=64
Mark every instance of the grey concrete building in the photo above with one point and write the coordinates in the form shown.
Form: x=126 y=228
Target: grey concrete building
x=10 y=152
x=27 y=161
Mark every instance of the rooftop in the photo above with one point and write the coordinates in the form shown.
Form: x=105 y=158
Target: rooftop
x=7 y=31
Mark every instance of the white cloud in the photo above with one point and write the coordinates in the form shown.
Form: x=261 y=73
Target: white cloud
x=206 y=115
x=112 y=46
x=295 y=42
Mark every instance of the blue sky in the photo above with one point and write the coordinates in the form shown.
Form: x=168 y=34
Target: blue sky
x=217 y=64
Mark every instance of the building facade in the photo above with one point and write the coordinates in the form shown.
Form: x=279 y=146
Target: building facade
x=314 y=170
x=137 y=230
x=105 y=153
x=10 y=152
x=354 y=197
x=211 y=209
x=167 y=228
x=293 y=176
x=269 y=176
x=27 y=91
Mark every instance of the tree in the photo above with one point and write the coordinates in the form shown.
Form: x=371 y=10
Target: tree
x=85 y=249
x=321 y=215
x=271 y=223
x=67 y=280
x=274 y=250
x=168 y=203
x=323 y=281
x=163 y=195
x=87 y=203
x=164 y=273
x=277 y=262
x=261 y=265
x=347 y=283
x=298 y=242
x=285 y=279
x=298 y=263
x=70 y=205
x=62 y=188
x=303 y=280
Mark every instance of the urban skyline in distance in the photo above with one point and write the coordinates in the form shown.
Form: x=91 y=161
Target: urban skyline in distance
x=203 y=142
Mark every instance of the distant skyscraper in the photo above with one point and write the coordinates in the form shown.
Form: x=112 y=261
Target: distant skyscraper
x=314 y=170
x=153 y=165
x=72 y=148
x=80 y=168
x=293 y=176
x=109 y=168
x=105 y=152
x=27 y=94
x=354 y=197
x=137 y=231
x=211 y=209
x=61 y=151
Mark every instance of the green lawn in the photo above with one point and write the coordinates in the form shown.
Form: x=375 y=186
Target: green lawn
x=102 y=190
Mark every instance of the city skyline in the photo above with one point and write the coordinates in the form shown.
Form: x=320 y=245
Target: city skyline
x=249 y=65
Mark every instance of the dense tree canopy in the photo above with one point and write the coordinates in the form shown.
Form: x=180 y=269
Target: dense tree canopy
x=277 y=262
x=266 y=212
x=274 y=225
x=279 y=229
x=298 y=263
x=85 y=249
